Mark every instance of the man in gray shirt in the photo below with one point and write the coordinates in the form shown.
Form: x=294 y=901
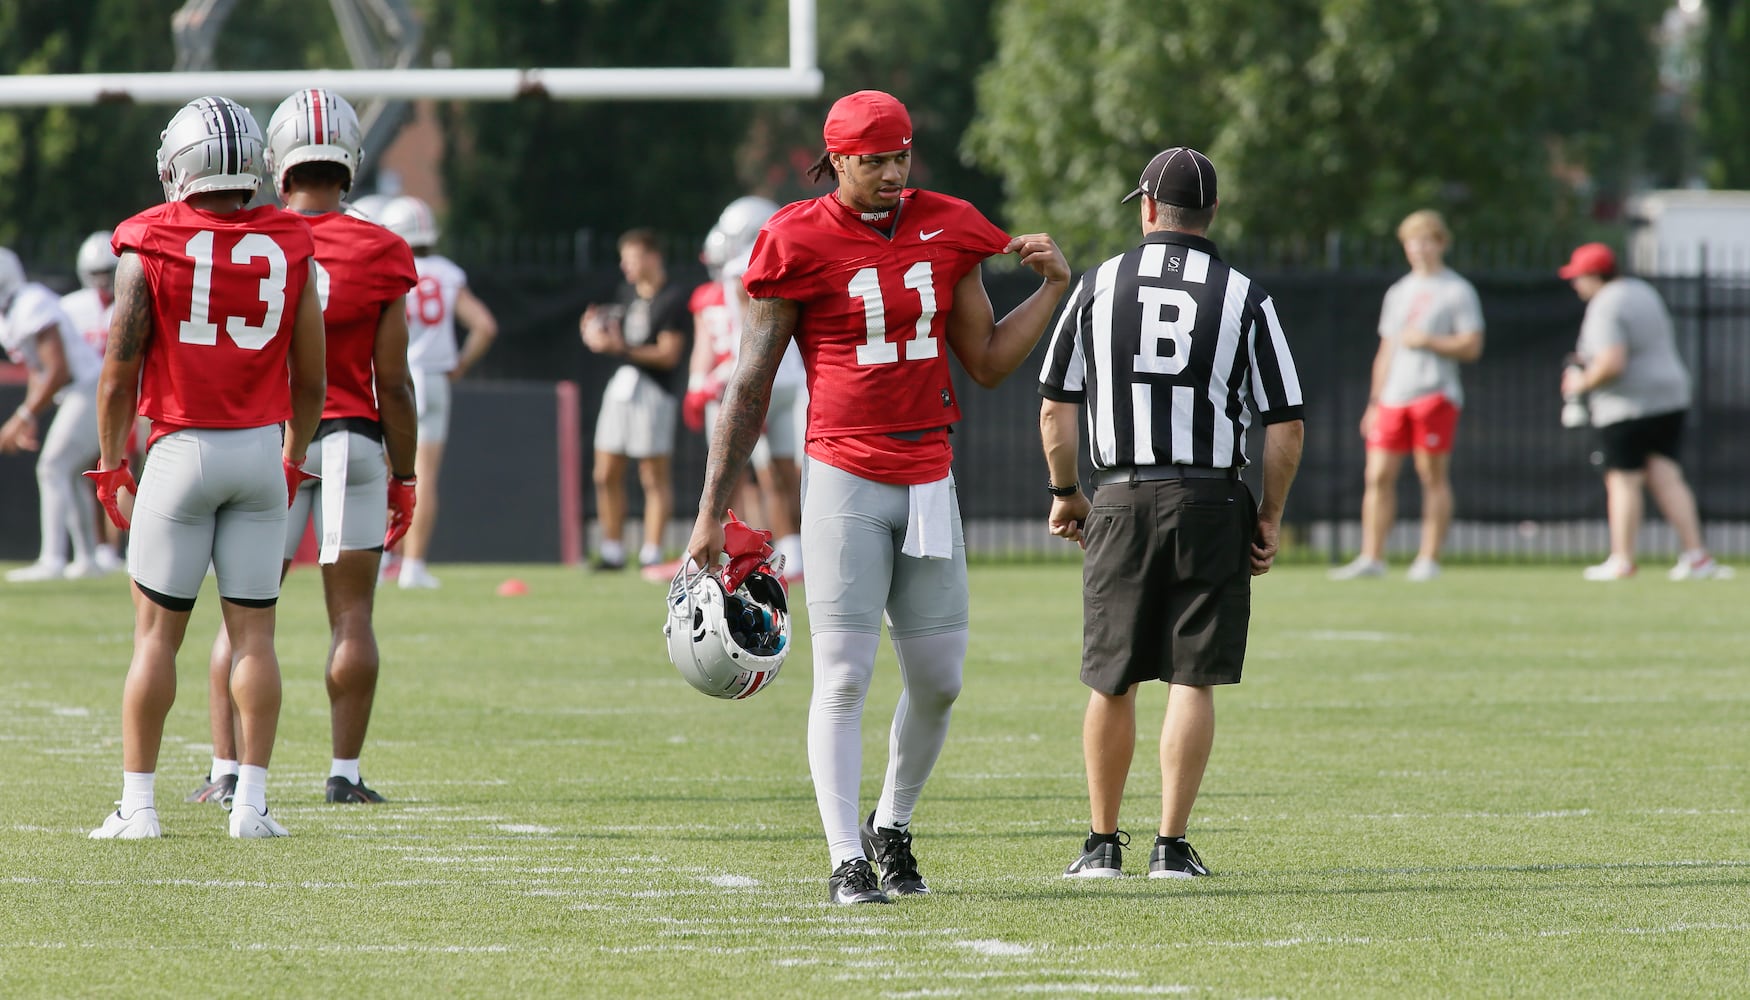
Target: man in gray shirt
x=1637 y=393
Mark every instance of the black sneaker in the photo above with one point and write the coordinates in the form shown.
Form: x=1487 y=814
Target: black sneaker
x=600 y=565
x=218 y=791
x=854 y=882
x=1175 y=859
x=342 y=790
x=891 y=850
x=1102 y=856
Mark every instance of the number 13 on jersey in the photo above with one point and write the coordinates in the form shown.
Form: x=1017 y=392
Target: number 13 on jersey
x=877 y=349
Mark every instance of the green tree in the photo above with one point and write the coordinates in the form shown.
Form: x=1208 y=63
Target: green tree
x=1725 y=97
x=1322 y=115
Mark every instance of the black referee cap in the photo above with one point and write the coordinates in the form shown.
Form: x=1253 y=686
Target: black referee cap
x=1179 y=176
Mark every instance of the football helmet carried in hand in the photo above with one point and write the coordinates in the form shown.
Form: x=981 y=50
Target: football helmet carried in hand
x=212 y=144
x=313 y=126
x=729 y=635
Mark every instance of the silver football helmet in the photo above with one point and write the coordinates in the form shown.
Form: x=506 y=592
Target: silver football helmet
x=212 y=144
x=369 y=207
x=728 y=644
x=312 y=126
x=411 y=219
x=95 y=261
x=736 y=229
x=11 y=277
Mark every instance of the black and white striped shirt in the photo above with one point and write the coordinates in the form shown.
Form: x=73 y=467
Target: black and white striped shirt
x=1170 y=351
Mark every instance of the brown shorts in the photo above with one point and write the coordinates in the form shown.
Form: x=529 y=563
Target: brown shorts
x=1167 y=584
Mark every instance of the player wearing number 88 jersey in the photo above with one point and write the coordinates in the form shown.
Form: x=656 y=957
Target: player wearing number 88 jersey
x=217 y=335
x=876 y=283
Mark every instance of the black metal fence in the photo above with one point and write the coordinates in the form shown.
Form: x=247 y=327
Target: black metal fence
x=1525 y=488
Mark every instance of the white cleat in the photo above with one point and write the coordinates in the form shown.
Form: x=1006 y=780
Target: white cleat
x=1358 y=569
x=1705 y=568
x=36 y=572
x=142 y=825
x=416 y=579
x=247 y=823
x=82 y=569
x=1422 y=570
x=108 y=560
x=1608 y=570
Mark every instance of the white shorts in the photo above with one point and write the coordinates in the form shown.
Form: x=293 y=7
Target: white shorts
x=211 y=497
x=364 y=510
x=431 y=399
x=639 y=423
x=782 y=434
x=852 y=530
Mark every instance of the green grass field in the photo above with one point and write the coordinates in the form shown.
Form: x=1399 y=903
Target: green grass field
x=1504 y=783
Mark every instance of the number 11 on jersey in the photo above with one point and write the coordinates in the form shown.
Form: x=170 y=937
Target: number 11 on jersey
x=878 y=350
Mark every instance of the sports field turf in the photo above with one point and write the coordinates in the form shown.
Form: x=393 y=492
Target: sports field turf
x=1504 y=783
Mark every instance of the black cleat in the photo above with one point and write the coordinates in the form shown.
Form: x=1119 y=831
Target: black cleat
x=1175 y=859
x=342 y=790
x=218 y=791
x=891 y=850
x=854 y=882
x=1102 y=856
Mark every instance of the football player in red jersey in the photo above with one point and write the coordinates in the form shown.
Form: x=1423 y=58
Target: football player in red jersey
x=361 y=507
x=876 y=283
x=217 y=335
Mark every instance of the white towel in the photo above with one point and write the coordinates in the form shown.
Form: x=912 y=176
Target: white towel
x=623 y=386
x=332 y=490
x=929 y=524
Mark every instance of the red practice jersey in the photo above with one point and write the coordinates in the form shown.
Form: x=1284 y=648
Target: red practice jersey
x=712 y=322
x=362 y=269
x=873 y=331
x=225 y=291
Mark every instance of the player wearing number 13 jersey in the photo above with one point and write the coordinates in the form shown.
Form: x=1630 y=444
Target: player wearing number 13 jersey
x=877 y=284
x=217 y=334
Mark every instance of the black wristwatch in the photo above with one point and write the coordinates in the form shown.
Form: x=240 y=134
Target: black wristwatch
x=1063 y=491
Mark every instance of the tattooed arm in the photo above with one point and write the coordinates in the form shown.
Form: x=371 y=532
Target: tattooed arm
x=766 y=331
x=118 y=387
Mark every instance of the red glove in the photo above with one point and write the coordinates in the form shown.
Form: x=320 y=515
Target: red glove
x=109 y=483
x=693 y=408
x=295 y=477
x=401 y=500
x=748 y=549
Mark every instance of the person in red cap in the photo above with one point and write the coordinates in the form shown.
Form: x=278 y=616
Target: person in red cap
x=877 y=283
x=1628 y=369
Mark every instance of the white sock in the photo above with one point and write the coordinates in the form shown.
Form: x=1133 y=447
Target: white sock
x=843 y=664
x=613 y=552
x=221 y=767
x=931 y=668
x=137 y=794
x=348 y=769
x=650 y=554
x=411 y=567
x=252 y=787
x=1694 y=556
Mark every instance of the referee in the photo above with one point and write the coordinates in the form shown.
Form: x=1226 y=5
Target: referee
x=1170 y=350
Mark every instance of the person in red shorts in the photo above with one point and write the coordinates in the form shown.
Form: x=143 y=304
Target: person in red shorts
x=1431 y=323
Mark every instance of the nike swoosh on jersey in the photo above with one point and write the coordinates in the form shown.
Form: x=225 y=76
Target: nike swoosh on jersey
x=929 y=236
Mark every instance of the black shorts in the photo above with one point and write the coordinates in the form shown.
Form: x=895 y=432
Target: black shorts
x=1627 y=444
x=1167 y=584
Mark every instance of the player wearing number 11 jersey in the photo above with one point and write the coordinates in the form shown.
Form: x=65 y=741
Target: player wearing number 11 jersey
x=217 y=334
x=877 y=284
